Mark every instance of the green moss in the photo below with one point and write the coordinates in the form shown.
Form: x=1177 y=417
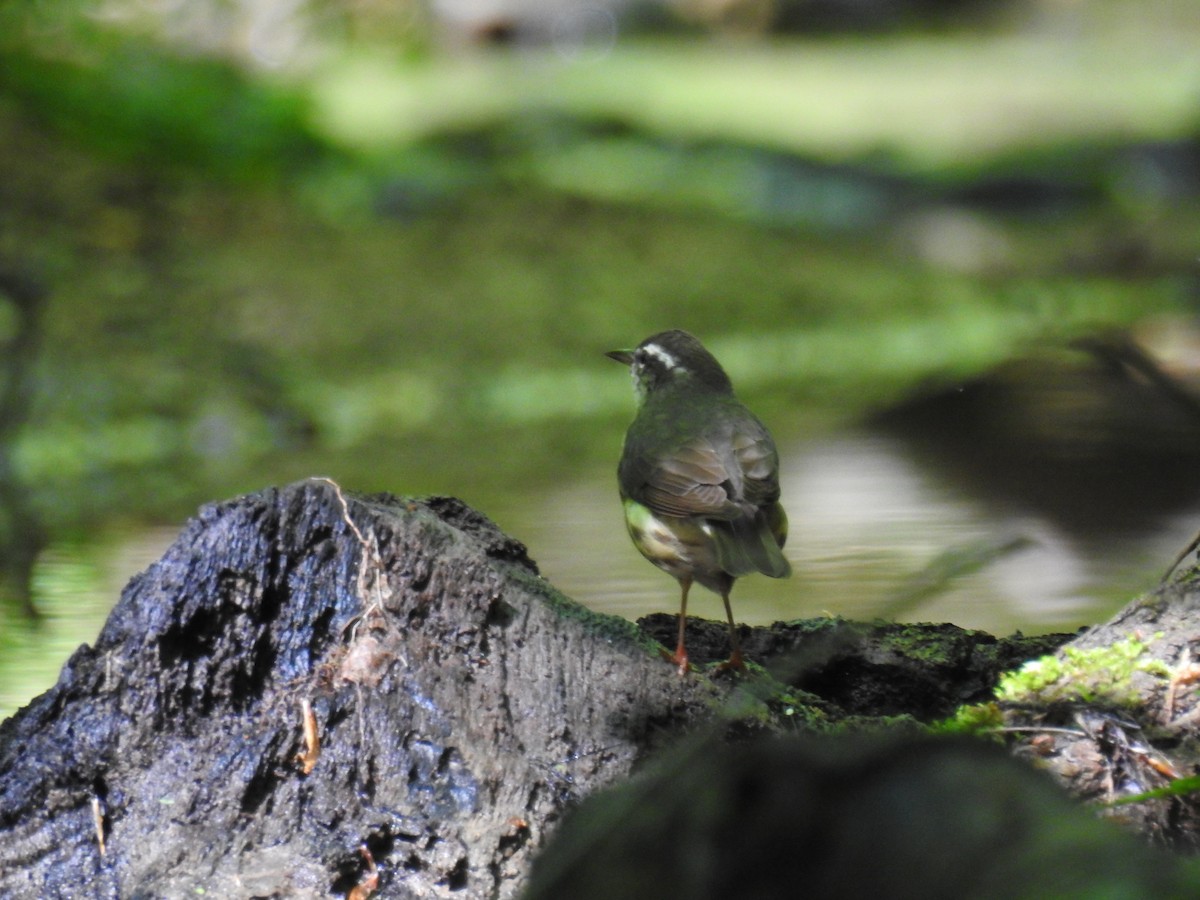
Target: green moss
x=976 y=719
x=759 y=700
x=1097 y=675
x=886 y=725
x=917 y=642
x=1100 y=675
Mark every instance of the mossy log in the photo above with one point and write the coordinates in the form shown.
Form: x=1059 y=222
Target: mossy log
x=1114 y=715
x=313 y=694
x=307 y=692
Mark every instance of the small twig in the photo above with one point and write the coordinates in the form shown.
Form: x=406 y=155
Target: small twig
x=307 y=760
x=370 y=554
x=371 y=561
x=337 y=489
x=1184 y=721
x=1192 y=545
x=98 y=822
x=370 y=881
x=1168 y=713
x=1185 y=672
x=1039 y=729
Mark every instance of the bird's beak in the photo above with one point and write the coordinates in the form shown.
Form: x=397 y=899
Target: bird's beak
x=621 y=356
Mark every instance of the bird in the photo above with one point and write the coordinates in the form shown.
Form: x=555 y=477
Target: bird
x=698 y=477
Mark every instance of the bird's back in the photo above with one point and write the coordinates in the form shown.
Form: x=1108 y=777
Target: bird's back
x=710 y=458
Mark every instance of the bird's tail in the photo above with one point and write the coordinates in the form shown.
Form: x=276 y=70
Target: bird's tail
x=753 y=544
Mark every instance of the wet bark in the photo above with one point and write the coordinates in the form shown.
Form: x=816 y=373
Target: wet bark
x=312 y=694
x=1111 y=716
x=460 y=705
x=1121 y=726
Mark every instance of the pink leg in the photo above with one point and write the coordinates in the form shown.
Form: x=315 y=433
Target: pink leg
x=735 y=660
x=680 y=658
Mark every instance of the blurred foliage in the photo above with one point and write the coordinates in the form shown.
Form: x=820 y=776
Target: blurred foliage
x=140 y=104
x=230 y=286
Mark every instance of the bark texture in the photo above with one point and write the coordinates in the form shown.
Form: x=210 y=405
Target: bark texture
x=313 y=695
x=1123 y=719
x=452 y=691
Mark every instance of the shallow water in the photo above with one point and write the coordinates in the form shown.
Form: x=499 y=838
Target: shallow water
x=866 y=518
x=878 y=528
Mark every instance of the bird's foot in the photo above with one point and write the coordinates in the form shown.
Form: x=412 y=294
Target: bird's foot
x=679 y=659
x=735 y=663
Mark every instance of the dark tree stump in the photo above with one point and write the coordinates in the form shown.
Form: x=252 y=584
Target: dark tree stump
x=311 y=694
x=1117 y=725
x=460 y=704
x=885 y=816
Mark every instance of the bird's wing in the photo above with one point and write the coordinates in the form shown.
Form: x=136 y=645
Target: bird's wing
x=692 y=481
x=758 y=464
x=725 y=478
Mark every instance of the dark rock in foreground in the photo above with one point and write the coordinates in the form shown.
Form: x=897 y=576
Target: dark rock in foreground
x=852 y=817
x=458 y=701
x=314 y=695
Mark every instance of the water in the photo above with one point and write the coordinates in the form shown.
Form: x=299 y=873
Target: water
x=879 y=528
x=867 y=516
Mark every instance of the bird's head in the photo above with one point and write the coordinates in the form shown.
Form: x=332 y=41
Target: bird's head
x=672 y=359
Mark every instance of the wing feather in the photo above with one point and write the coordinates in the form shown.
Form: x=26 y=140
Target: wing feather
x=698 y=479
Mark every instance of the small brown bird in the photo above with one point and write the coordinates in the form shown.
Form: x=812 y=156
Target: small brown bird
x=699 y=477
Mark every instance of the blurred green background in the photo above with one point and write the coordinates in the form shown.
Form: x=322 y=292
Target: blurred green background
x=946 y=249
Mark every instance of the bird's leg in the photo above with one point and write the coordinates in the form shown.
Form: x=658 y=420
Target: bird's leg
x=735 y=660
x=680 y=658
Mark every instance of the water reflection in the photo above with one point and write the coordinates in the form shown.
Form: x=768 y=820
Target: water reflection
x=22 y=534
x=870 y=517
x=865 y=503
x=76 y=585
x=1040 y=497
x=870 y=513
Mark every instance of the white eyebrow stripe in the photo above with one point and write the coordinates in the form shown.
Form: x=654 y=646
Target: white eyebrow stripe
x=661 y=355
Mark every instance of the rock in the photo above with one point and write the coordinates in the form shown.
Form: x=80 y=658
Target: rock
x=1115 y=714
x=845 y=818
x=315 y=694
x=456 y=705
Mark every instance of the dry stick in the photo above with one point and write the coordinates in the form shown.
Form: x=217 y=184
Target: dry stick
x=371 y=554
x=1192 y=545
x=98 y=822
x=307 y=760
